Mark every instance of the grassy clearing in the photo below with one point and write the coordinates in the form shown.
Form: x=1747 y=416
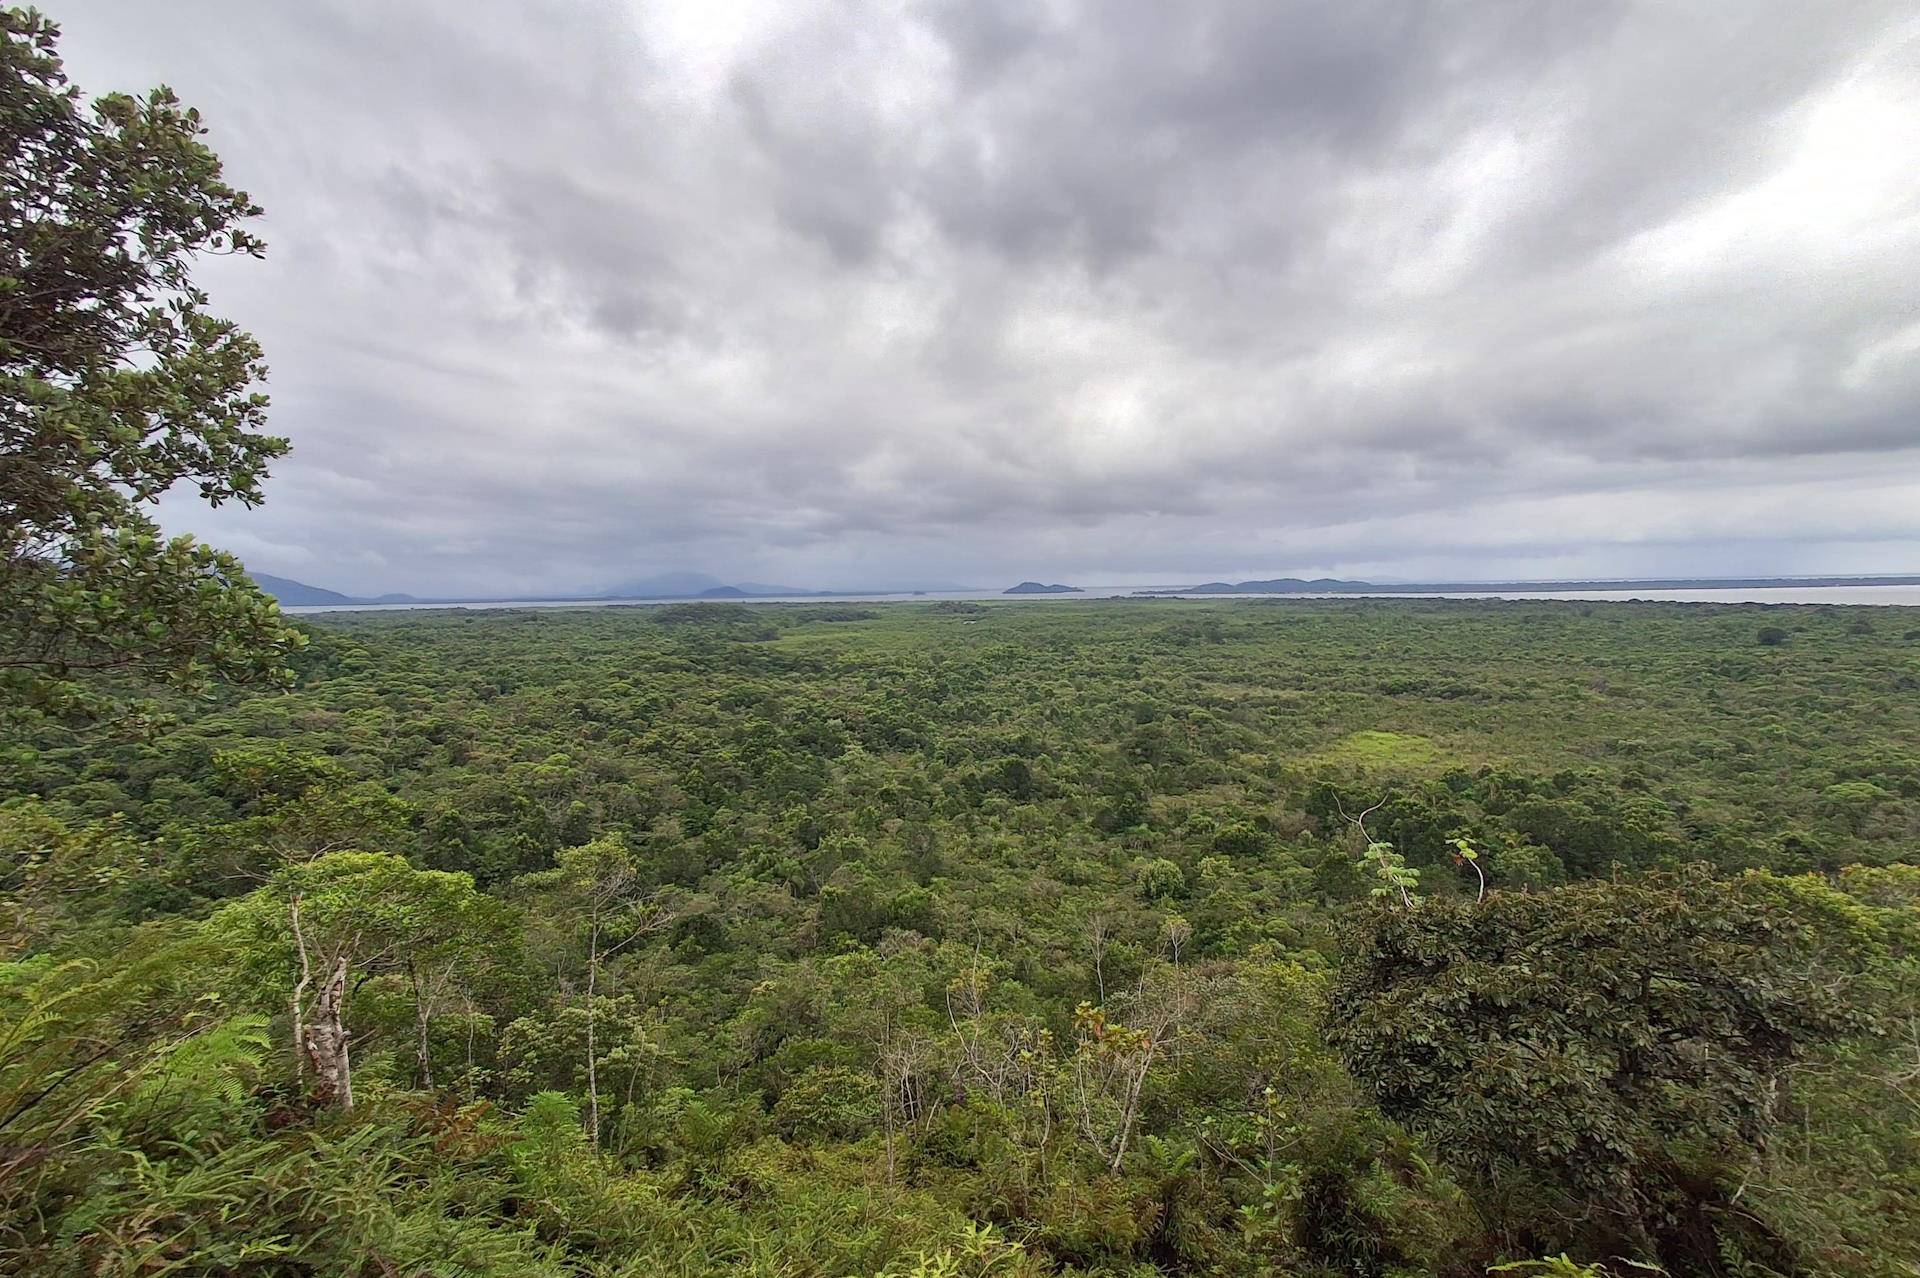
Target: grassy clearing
x=1374 y=751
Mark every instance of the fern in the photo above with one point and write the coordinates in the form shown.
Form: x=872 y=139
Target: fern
x=201 y=1085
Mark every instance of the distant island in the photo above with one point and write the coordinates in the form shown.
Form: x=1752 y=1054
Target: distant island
x=1038 y=588
x=1277 y=586
x=1336 y=586
x=300 y=594
x=665 y=587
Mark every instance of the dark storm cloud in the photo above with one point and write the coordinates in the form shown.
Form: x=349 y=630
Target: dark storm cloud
x=1126 y=118
x=560 y=294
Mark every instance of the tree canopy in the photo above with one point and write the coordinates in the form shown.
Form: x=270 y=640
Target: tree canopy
x=117 y=385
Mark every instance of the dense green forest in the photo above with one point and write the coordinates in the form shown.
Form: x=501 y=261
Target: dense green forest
x=1132 y=937
x=957 y=938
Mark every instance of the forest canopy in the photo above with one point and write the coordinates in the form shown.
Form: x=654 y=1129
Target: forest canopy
x=1048 y=943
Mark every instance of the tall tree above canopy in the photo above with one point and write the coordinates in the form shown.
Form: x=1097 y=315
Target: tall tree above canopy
x=116 y=385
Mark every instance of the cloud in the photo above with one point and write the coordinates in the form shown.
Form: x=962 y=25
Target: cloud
x=560 y=294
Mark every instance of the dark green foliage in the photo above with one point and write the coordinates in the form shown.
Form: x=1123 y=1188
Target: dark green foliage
x=835 y=614
x=703 y=614
x=1619 y=1045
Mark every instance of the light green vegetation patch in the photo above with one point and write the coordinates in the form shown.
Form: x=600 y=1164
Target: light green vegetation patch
x=1382 y=751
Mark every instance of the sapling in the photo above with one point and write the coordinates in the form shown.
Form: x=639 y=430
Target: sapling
x=1464 y=853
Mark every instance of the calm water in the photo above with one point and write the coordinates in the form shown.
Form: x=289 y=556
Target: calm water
x=1908 y=596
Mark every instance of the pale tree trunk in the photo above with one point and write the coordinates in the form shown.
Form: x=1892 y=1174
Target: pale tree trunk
x=887 y=1112
x=888 y=1093
x=601 y=916
x=422 y=1011
x=1130 y=1108
x=1100 y=931
x=326 y=1041
x=300 y=997
x=593 y=1073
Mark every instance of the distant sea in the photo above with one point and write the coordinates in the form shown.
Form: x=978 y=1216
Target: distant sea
x=1906 y=596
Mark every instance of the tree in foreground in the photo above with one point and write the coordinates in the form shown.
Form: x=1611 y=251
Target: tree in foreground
x=330 y=925
x=116 y=386
x=1606 y=1060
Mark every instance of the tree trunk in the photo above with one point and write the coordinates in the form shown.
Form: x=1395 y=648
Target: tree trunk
x=300 y=996
x=593 y=1072
x=421 y=1053
x=326 y=1041
x=422 y=1001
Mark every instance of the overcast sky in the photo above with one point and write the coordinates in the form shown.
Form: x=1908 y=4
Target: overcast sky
x=1107 y=291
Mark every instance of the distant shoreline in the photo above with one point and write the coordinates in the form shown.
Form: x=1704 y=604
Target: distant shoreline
x=1325 y=586
x=1895 y=591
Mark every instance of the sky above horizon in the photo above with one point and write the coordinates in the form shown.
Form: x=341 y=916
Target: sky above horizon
x=563 y=294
